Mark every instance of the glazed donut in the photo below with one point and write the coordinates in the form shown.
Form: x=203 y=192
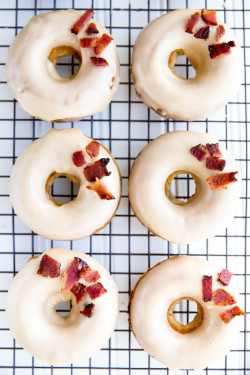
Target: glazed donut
x=206 y=213
x=34 y=322
x=53 y=156
x=200 y=342
x=33 y=78
x=167 y=93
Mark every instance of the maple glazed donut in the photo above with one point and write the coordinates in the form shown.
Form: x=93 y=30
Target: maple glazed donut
x=31 y=67
x=85 y=162
x=61 y=275
x=200 y=342
x=213 y=204
x=219 y=67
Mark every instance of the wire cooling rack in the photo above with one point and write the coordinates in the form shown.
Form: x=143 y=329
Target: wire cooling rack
x=125 y=247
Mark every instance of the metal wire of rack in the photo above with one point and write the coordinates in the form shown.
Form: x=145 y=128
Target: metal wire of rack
x=125 y=247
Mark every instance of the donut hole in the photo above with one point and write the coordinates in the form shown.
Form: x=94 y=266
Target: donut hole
x=62 y=188
x=182 y=187
x=185 y=315
x=180 y=66
x=63 y=308
x=66 y=60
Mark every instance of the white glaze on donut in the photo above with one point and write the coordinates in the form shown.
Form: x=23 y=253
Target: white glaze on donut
x=35 y=83
x=41 y=330
x=206 y=215
x=78 y=218
x=156 y=290
x=216 y=80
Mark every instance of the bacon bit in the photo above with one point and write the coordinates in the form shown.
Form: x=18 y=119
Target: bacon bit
x=224 y=277
x=72 y=274
x=228 y=315
x=49 y=267
x=221 y=180
x=214 y=150
x=99 y=61
x=78 y=159
x=88 y=42
x=223 y=298
x=216 y=50
x=96 y=170
x=215 y=163
x=93 y=149
x=209 y=16
x=92 y=29
x=199 y=152
x=203 y=33
x=89 y=275
x=102 y=43
x=220 y=32
x=101 y=190
x=207 y=288
x=96 y=290
x=88 y=310
x=193 y=20
x=79 y=291
x=81 y=22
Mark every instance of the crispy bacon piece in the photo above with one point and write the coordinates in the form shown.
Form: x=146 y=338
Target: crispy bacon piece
x=49 y=267
x=99 y=61
x=88 y=310
x=215 y=163
x=79 y=291
x=81 y=22
x=203 y=33
x=101 y=190
x=92 y=29
x=207 y=288
x=89 y=275
x=216 y=50
x=78 y=159
x=96 y=290
x=72 y=274
x=193 y=20
x=224 y=277
x=220 y=32
x=228 y=315
x=199 y=152
x=221 y=180
x=222 y=298
x=214 y=149
x=96 y=170
x=88 y=42
x=93 y=149
x=209 y=16
x=102 y=43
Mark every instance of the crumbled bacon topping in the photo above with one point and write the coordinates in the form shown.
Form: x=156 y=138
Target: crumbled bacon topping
x=96 y=290
x=96 y=170
x=102 y=43
x=49 y=267
x=78 y=159
x=92 y=29
x=222 y=298
x=216 y=50
x=224 y=277
x=81 y=22
x=193 y=20
x=199 y=152
x=89 y=275
x=214 y=149
x=203 y=33
x=207 y=288
x=72 y=274
x=88 y=42
x=100 y=188
x=93 y=149
x=88 y=310
x=228 y=315
x=209 y=16
x=221 y=180
x=220 y=32
x=215 y=163
x=79 y=291
x=99 y=61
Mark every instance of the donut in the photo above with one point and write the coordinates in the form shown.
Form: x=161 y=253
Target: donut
x=219 y=70
x=214 y=202
x=37 y=289
x=194 y=345
x=87 y=163
x=31 y=66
